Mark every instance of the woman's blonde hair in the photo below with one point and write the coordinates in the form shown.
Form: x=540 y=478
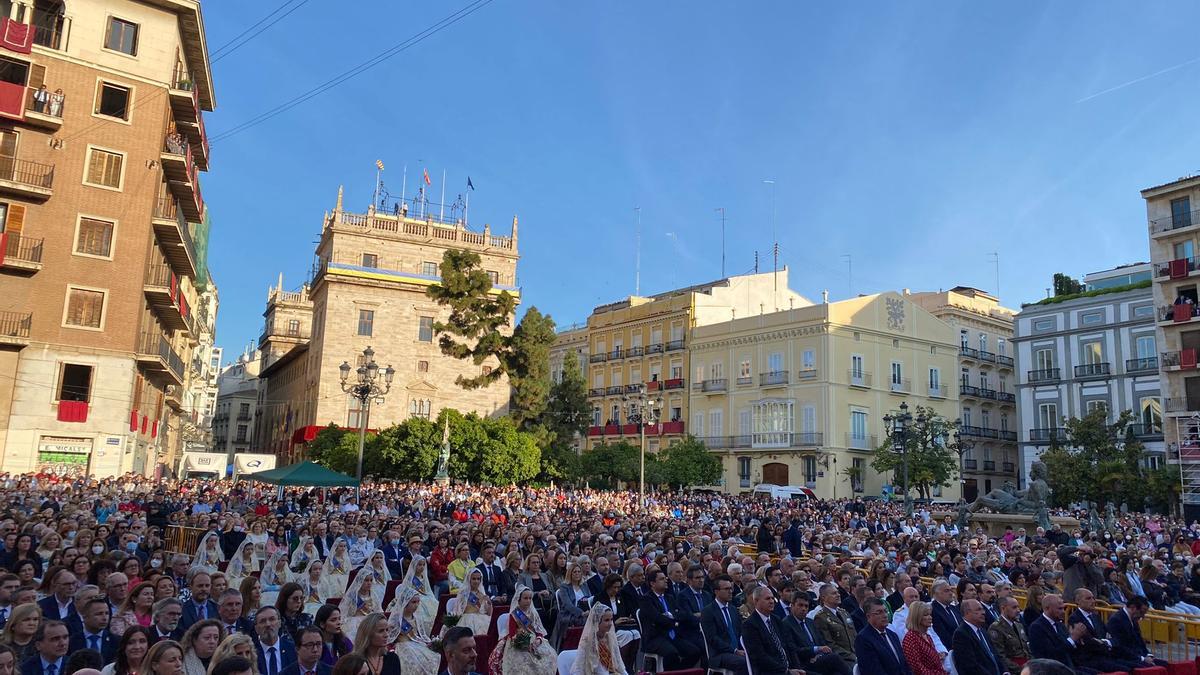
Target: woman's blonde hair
x=917 y=611
x=362 y=638
x=156 y=653
x=19 y=614
x=227 y=647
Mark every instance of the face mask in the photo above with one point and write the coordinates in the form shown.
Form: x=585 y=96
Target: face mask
x=71 y=534
x=156 y=563
x=98 y=549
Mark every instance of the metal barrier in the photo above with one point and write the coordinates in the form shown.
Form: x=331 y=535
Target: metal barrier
x=185 y=540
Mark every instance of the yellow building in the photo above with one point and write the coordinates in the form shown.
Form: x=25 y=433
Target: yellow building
x=797 y=397
x=644 y=340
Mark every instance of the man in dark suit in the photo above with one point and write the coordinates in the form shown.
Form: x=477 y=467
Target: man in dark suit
x=275 y=648
x=94 y=633
x=308 y=654
x=1050 y=639
x=721 y=626
x=973 y=651
x=200 y=606
x=460 y=651
x=595 y=583
x=878 y=649
x=634 y=589
x=769 y=644
x=1126 y=636
x=60 y=604
x=663 y=626
x=946 y=616
x=494 y=582
x=51 y=642
x=164 y=622
x=9 y=583
x=229 y=613
x=693 y=598
x=1096 y=651
x=393 y=553
x=815 y=655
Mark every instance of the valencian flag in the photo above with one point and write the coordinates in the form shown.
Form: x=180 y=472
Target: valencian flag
x=426 y=172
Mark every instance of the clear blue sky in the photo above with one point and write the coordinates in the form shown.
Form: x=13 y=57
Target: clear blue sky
x=917 y=137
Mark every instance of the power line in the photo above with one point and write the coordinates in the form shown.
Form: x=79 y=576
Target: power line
x=415 y=39
x=217 y=55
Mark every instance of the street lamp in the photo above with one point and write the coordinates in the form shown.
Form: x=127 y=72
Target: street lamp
x=898 y=428
x=648 y=407
x=364 y=387
x=962 y=448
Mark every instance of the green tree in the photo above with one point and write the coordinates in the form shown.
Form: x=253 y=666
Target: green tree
x=477 y=316
x=688 y=463
x=1066 y=285
x=410 y=449
x=527 y=362
x=610 y=463
x=931 y=458
x=337 y=449
x=489 y=451
x=567 y=414
x=1102 y=462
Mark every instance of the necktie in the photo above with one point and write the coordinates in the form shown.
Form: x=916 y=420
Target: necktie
x=891 y=646
x=231 y=629
x=201 y=611
x=699 y=600
x=51 y=669
x=94 y=642
x=775 y=639
x=3 y=614
x=272 y=662
x=807 y=632
x=950 y=611
x=733 y=641
x=663 y=601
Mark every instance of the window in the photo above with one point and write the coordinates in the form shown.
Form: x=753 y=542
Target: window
x=897 y=373
x=745 y=422
x=242 y=430
x=1093 y=406
x=964 y=378
x=716 y=371
x=104 y=168
x=1092 y=353
x=1000 y=346
x=494 y=277
x=697 y=424
x=744 y=471
x=716 y=422
x=935 y=379
x=1043 y=324
x=429 y=269
x=244 y=409
x=370 y=260
x=595 y=416
x=810 y=469
x=744 y=370
x=966 y=417
x=1093 y=318
x=983 y=380
x=1181 y=212
x=808 y=359
x=122 y=36
x=856 y=366
x=963 y=338
x=85 y=307
x=1143 y=311
x=94 y=238
x=1003 y=422
x=294 y=327
x=1044 y=358
x=1145 y=347
x=860 y=471
x=366 y=322
x=983 y=342
x=112 y=100
x=858 y=424
x=75 y=382
x=1183 y=250
x=425 y=330
x=422 y=366
x=1151 y=414
x=1048 y=415
x=615 y=414
x=775 y=362
x=985 y=419
x=773 y=423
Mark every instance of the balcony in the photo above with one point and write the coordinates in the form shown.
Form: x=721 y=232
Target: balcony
x=1006 y=435
x=14 y=328
x=1179 y=313
x=629 y=429
x=1180 y=268
x=634 y=352
x=1006 y=397
x=612 y=429
x=1047 y=435
x=775 y=378
x=745 y=381
x=1005 y=361
x=1174 y=223
x=44 y=108
x=185 y=108
x=673 y=383
x=633 y=388
x=858 y=378
x=654 y=385
x=50 y=29
x=27 y=179
x=901 y=386
x=655 y=348
x=597 y=358
x=292 y=334
x=857 y=442
x=806 y=374
x=970 y=391
x=987 y=357
x=616 y=354
x=1146 y=431
x=672 y=427
x=1043 y=376
x=20 y=254
x=715 y=386
x=717 y=442
x=179 y=168
x=615 y=390
x=163 y=291
x=1092 y=371
x=978 y=432
x=1183 y=359
x=175 y=236
x=1009 y=467
x=970 y=464
x=1181 y=405
x=154 y=353
x=937 y=391
x=989 y=465
x=1143 y=365
x=595 y=431
x=674 y=345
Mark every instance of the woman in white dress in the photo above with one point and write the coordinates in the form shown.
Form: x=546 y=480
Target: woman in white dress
x=274 y=575
x=472 y=606
x=417 y=578
x=242 y=564
x=258 y=540
x=525 y=650
x=598 y=653
x=337 y=566
x=316 y=586
x=410 y=639
x=358 y=602
x=209 y=554
x=306 y=552
x=376 y=565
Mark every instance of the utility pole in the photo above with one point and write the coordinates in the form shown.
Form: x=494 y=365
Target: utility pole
x=721 y=210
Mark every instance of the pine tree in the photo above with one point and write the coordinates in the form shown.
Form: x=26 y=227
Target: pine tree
x=477 y=317
x=528 y=366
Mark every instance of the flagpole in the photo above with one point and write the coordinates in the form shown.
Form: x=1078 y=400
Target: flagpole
x=467 y=210
x=375 y=198
x=442 y=208
x=403 y=184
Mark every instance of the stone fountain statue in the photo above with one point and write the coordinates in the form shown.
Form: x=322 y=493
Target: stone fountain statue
x=1008 y=499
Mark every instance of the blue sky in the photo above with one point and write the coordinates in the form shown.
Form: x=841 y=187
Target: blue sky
x=916 y=137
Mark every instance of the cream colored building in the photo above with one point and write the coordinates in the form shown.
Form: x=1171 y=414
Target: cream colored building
x=645 y=340
x=986 y=382
x=797 y=397
x=102 y=143
x=369 y=289
x=571 y=342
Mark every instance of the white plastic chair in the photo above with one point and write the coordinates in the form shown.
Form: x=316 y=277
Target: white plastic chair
x=646 y=656
x=566 y=661
x=502 y=626
x=749 y=667
x=707 y=657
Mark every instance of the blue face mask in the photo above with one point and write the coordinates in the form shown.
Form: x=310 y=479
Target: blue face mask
x=131 y=546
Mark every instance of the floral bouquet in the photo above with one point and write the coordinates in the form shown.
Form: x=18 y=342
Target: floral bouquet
x=450 y=620
x=435 y=645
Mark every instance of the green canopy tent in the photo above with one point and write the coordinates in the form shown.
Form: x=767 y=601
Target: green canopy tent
x=304 y=474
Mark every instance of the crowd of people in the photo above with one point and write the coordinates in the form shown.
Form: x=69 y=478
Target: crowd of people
x=415 y=579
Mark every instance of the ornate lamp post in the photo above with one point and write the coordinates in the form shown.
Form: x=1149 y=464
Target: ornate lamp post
x=365 y=387
x=962 y=448
x=648 y=406
x=898 y=426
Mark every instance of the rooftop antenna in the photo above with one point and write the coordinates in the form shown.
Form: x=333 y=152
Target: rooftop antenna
x=637 y=261
x=996 y=259
x=721 y=210
x=849 y=273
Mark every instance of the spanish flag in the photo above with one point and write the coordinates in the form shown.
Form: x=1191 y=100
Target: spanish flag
x=379 y=164
x=426 y=172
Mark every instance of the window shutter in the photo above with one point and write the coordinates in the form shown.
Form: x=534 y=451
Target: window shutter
x=16 y=219
x=37 y=75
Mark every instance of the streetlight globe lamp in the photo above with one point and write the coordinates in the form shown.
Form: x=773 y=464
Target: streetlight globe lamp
x=366 y=387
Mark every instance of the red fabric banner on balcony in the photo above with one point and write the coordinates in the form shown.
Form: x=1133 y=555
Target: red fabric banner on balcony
x=15 y=36
x=174 y=285
x=1187 y=358
x=12 y=100
x=154 y=429
x=3 y=245
x=1182 y=312
x=133 y=419
x=1178 y=268
x=145 y=421
x=72 y=411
